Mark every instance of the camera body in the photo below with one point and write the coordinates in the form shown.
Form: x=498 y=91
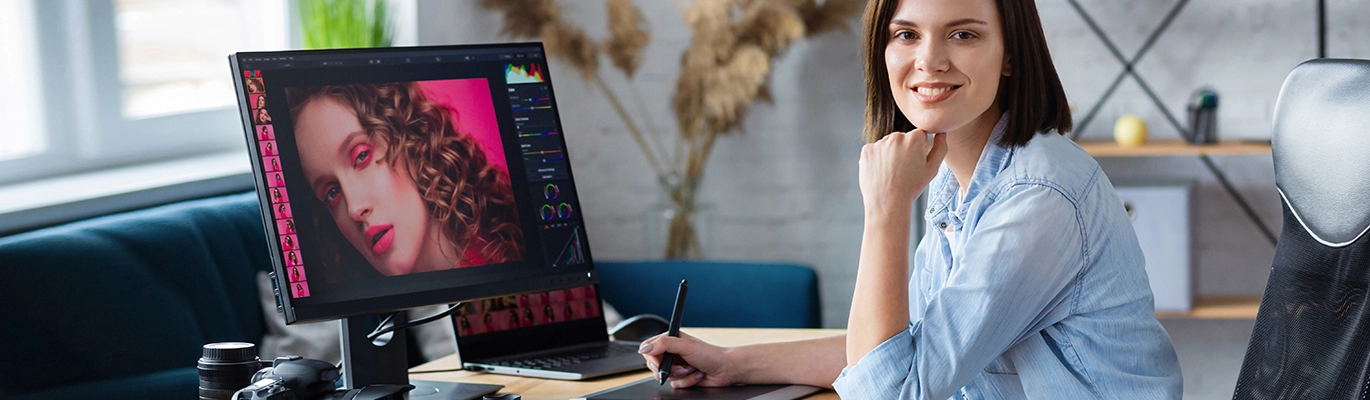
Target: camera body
x=296 y=378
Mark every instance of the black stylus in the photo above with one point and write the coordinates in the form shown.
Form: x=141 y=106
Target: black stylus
x=676 y=315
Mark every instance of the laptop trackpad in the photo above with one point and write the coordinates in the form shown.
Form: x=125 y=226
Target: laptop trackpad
x=615 y=364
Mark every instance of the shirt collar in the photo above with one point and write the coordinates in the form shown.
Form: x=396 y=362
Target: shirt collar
x=993 y=159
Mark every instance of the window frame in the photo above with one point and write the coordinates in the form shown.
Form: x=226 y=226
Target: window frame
x=82 y=99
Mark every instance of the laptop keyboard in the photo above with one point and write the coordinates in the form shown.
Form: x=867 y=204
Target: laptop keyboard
x=570 y=357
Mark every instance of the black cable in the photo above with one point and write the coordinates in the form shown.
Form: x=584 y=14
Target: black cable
x=1322 y=28
x=383 y=328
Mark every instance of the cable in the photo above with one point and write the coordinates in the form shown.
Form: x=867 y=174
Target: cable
x=383 y=328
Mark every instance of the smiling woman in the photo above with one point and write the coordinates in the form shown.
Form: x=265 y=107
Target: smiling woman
x=1028 y=281
x=400 y=182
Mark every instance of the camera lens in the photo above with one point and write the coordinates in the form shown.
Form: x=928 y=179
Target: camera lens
x=226 y=367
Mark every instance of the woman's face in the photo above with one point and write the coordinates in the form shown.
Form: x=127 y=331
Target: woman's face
x=376 y=205
x=945 y=59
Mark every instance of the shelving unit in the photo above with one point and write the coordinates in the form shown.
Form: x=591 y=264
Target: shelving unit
x=1174 y=148
x=1218 y=307
x=1129 y=70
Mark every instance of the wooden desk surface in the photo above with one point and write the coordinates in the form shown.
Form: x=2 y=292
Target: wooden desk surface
x=448 y=368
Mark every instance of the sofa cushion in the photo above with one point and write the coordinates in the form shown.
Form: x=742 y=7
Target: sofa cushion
x=129 y=294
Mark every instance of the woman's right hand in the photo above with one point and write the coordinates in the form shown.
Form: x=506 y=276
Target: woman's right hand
x=895 y=169
x=696 y=362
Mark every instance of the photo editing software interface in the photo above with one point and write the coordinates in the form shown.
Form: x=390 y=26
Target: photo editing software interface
x=402 y=177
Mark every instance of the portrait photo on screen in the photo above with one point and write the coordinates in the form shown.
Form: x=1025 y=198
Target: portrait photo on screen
x=403 y=177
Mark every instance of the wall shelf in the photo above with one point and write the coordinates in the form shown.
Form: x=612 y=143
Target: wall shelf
x=1174 y=147
x=1218 y=307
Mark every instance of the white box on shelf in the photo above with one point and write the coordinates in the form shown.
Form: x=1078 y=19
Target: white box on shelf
x=1161 y=214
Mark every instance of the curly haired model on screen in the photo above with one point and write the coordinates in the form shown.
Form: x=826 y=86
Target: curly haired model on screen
x=407 y=190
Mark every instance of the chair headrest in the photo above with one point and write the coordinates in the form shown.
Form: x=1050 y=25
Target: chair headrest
x=1322 y=148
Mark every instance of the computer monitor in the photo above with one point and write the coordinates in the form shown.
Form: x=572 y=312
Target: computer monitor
x=402 y=177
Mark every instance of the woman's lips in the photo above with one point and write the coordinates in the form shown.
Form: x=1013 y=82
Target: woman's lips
x=381 y=237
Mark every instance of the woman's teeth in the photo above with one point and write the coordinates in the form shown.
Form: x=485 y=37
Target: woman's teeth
x=933 y=92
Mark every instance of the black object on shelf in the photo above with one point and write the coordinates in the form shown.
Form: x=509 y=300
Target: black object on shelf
x=1203 y=117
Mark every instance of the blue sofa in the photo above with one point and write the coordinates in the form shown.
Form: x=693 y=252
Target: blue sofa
x=722 y=294
x=119 y=306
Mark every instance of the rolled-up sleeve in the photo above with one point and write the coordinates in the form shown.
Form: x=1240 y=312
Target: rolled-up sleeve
x=882 y=373
x=1012 y=280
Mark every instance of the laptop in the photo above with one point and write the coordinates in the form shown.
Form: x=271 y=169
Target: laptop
x=559 y=334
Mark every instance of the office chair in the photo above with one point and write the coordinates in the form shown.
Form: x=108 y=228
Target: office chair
x=1312 y=334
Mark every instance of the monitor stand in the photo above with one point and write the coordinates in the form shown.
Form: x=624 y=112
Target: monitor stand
x=365 y=363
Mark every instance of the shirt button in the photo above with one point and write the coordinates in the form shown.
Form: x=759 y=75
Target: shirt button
x=943 y=225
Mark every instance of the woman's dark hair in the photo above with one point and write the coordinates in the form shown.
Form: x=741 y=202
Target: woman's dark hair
x=1032 y=94
x=471 y=199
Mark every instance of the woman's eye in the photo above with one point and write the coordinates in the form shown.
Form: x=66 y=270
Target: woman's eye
x=963 y=35
x=361 y=158
x=905 y=35
x=361 y=155
x=330 y=195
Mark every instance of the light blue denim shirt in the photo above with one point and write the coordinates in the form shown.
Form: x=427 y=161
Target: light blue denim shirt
x=1032 y=286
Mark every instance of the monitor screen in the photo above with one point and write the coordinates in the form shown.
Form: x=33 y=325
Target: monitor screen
x=402 y=177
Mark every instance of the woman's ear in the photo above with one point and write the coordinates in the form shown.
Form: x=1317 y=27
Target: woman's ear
x=1008 y=67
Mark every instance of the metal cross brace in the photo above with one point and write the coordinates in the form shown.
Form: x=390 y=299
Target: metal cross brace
x=1129 y=70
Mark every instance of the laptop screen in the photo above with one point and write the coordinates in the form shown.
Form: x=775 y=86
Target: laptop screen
x=402 y=177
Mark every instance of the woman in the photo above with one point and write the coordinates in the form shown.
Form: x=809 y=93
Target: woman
x=402 y=186
x=1029 y=264
x=263 y=117
x=254 y=85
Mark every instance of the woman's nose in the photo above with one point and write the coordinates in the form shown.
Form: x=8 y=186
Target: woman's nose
x=358 y=207
x=930 y=56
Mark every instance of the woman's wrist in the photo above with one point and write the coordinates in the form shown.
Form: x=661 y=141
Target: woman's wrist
x=738 y=363
x=896 y=217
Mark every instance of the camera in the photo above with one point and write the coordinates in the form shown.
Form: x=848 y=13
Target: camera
x=296 y=378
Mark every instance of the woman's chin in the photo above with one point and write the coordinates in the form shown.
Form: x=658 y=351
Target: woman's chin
x=937 y=121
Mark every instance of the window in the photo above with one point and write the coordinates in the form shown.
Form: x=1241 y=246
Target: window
x=123 y=82
x=171 y=53
x=20 y=105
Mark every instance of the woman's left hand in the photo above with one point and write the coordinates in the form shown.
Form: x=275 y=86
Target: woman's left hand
x=896 y=168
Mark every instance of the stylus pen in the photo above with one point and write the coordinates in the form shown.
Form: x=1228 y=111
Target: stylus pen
x=676 y=315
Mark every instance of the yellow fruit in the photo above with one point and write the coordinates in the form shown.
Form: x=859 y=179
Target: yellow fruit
x=1130 y=131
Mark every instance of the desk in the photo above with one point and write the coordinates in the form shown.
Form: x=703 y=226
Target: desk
x=537 y=389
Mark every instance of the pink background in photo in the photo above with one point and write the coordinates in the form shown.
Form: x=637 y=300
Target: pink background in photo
x=283 y=228
x=289 y=244
x=266 y=163
x=266 y=132
x=268 y=151
x=293 y=261
x=277 y=210
x=299 y=289
x=296 y=274
x=285 y=197
x=473 y=111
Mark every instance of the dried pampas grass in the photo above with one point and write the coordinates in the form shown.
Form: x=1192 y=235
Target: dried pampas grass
x=627 y=36
x=525 y=18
